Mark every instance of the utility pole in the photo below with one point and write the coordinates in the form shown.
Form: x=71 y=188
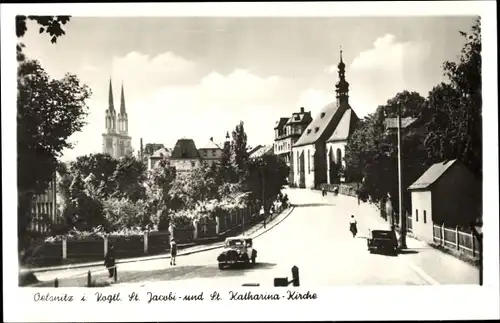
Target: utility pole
x=402 y=216
x=263 y=196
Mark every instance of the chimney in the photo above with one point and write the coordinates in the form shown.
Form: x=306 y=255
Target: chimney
x=142 y=151
x=211 y=138
x=302 y=110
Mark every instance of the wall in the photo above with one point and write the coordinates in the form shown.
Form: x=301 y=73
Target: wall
x=334 y=146
x=422 y=201
x=184 y=165
x=307 y=166
x=457 y=197
x=45 y=204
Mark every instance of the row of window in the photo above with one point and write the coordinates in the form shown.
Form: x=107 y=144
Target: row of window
x=416 y=216
x=289 y=130
x=283 y=146
x=309 y=168
x=214 y=152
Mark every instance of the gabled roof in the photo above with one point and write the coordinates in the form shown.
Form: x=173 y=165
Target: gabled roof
x=431 y=175
x=210 y=145
x=345 y=127
x=252 y=150
x=280 y=123
x=185 y=149
x=263 y=150
x=300 y=118
x=393 y=122
x=162 y=152
x=320 y=123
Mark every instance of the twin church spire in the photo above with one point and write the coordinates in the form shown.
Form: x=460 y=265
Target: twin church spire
x=116 y=123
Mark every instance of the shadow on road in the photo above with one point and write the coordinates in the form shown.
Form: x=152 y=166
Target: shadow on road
x=313 y=204
x=408 y=251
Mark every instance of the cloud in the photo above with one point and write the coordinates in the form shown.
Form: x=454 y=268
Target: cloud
x=88 y=68
x=388 y=67
x=168 y=97
x=314 y=100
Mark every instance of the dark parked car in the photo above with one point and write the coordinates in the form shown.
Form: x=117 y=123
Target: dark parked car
x=237 y=250
x=383 y=241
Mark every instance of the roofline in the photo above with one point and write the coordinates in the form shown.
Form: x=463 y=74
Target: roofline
x=429 y=186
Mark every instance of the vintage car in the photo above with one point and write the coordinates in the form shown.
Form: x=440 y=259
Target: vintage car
x=237 y=250
x=382 y=241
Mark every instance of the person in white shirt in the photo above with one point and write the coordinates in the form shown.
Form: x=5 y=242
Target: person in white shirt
x=353 y=226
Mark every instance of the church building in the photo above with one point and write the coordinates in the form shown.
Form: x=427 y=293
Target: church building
x=321 y=146
x=116 y=141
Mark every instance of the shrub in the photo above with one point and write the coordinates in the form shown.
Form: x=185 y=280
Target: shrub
x=123 y=213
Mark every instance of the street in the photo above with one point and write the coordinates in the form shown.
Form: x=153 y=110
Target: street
x=316 y=238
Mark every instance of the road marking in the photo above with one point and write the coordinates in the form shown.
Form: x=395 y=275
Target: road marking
x=422 y=273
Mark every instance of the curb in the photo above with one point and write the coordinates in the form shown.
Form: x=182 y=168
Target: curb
x=146 y=258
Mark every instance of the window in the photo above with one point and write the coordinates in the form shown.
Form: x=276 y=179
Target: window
x=308 y=131
x=308 y=162
x=316 y=129
x=214 y=152
x=416 y=215
x=205 y=153
x=425 y=216
x=193 y=164
x=322 y=114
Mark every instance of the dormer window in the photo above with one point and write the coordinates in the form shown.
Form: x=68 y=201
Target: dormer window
x=316 y=129
x=308 y=131
x=322 y=114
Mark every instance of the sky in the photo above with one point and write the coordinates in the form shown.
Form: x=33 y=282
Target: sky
x=198 y=77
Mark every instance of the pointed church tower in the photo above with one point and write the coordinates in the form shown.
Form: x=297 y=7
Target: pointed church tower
x=122 y=116
x=342 y=86
x=110 y=117
x=116 y=141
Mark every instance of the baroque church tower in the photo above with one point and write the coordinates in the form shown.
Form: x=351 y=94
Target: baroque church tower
x=116 y=141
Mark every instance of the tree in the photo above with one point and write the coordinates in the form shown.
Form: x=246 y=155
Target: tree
x=227 y=171
x=48 y=112
x=239 y=149
x=52 y=25
x=129 y=177
x=102 y=167
x=454 y=109
x=275 y=173
x=159 y=199
x=371 y=152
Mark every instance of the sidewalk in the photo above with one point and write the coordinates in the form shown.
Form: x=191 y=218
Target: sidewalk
x=254 y=232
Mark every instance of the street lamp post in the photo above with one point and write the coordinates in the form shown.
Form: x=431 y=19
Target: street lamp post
x=402 y=217
x=263 y=193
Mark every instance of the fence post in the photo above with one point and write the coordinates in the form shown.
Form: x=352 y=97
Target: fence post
x=115 y=273
x=64 y=248
x=56 y=283
x=456 y=238
x=442 y=234
x=145 y=242
x=89 y=279
x=105 y=245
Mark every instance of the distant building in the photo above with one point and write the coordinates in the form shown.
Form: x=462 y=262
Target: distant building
x=211 y=152
x=263 y=150
x=185 y=155
x=157 y=156
x=446 y=193
x=44 y=209
x=251 y=150
x=311 y=160
x=286 y=133
x=115 y=141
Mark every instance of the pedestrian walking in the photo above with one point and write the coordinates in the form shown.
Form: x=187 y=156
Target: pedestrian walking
x=173 y=251
x=110 y=260
x=353 y=226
